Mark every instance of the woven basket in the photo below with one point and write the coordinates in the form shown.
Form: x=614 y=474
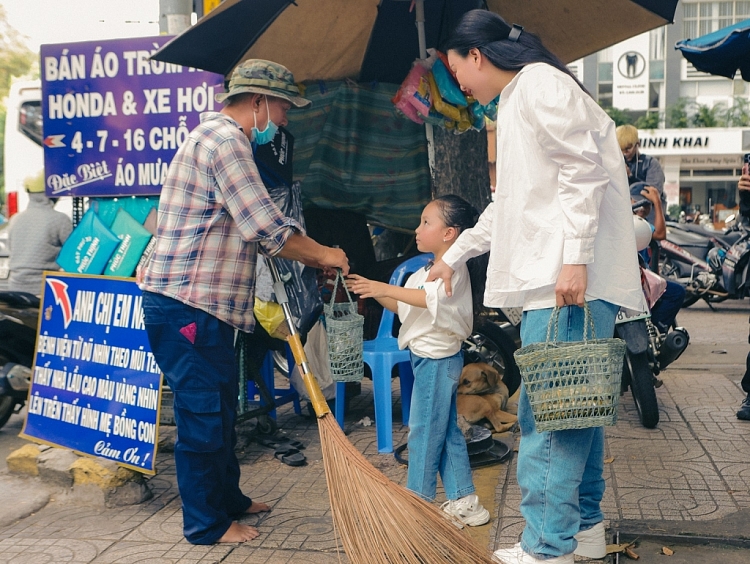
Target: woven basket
x=344 y=329
x=572 y=385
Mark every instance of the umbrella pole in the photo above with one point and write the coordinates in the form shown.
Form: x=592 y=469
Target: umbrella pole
x=429 y=135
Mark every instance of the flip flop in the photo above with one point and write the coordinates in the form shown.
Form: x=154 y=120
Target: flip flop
x=284 y=448
x=278 y=441
x=290 y=457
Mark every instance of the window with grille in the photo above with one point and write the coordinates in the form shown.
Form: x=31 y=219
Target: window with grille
x=700 y=18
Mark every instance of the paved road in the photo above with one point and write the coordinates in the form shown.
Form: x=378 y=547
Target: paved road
x=690 y=473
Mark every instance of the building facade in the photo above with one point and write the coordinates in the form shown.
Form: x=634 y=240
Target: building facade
x=646 y=74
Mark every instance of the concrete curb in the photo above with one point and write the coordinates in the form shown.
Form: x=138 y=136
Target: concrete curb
x=730 y=530
x=88 y=480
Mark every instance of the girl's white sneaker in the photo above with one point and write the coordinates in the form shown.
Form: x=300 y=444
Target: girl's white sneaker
x=468 y=510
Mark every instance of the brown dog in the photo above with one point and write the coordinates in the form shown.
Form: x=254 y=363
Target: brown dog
x=482 y=394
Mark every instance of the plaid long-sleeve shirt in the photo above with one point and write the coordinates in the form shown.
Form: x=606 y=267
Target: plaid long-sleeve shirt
x=214 y=216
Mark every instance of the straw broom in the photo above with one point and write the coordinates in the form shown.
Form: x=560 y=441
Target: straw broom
x=378 y=520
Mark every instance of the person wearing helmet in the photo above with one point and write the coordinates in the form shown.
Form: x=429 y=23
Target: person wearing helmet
x=664 y=311
x=35 y=238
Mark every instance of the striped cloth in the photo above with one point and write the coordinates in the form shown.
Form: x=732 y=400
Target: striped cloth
x=353 y=151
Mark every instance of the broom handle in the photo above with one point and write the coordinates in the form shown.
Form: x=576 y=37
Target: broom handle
x=317 y=399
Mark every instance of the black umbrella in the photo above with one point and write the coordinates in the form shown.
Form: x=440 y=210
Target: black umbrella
x=376 y=40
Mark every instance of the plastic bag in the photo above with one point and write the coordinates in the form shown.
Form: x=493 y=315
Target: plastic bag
x=653 y=286
x=271 y=316
x=316 y=350
x=301 y=281
x=134 y=239
x=449 y=89
x=89 y=246
x=401 y=99
x=137 y=206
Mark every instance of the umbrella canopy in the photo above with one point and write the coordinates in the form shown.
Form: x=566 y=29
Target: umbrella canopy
x=722 y=52
x=376 y=40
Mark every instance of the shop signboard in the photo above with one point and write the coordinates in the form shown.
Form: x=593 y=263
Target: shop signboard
x=113 y=119
x=95 y=386
x=692 y=142
x=630 y=75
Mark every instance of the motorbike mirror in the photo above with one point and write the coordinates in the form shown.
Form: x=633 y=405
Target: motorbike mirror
x=730 y=220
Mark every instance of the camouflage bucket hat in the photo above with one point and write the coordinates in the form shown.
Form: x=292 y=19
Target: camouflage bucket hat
x=256 y=76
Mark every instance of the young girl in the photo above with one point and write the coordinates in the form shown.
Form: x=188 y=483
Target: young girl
x=433 y=326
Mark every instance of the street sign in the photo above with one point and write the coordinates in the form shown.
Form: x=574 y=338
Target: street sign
x=95 y=385
x=113 y=119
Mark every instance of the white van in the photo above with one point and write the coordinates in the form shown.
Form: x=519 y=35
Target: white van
x=24 y=156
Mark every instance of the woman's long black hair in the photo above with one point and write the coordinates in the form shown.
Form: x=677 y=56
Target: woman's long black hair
x=488 y=32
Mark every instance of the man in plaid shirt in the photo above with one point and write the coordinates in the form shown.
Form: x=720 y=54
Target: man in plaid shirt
x=214 y=217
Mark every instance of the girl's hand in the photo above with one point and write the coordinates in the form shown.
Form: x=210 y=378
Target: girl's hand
x=571 y=285
x=366 y=288
x=444 y=272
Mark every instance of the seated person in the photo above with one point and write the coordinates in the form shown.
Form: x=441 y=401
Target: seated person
x=665 y=310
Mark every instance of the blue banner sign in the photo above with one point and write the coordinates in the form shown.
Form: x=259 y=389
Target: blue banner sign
x=95 y=385
x=113 y=119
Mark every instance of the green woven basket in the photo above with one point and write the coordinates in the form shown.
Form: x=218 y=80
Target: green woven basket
x=344 y=327
x=572 y=385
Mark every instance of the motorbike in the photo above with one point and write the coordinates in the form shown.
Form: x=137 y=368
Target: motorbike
x=683 y=259
x=731 y=265
x=648 y=350
x=19 y=315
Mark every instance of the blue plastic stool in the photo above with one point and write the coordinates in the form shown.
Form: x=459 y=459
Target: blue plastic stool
x=282 y=395
x=381 y=355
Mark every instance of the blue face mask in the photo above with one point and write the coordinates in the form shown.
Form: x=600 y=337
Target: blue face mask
x=267 y=135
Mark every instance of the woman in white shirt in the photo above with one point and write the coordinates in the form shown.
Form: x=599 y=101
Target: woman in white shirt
x=560 y=231
x=433 y=327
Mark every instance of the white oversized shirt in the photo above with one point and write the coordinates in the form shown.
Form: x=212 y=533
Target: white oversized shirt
x=562 y=197
x=438 y=330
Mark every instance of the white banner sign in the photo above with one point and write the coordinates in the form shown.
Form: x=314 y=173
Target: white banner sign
x=630 y=74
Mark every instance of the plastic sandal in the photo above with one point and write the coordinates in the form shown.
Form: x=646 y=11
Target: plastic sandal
x=290 y=456
x=278 y=441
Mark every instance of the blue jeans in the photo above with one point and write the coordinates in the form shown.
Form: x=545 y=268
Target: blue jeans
x=436 y=444
x=560 y=472
x=203 y=377
x=665 y=309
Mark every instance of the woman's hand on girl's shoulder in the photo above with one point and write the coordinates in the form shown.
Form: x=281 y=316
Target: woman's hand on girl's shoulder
x=444 y=272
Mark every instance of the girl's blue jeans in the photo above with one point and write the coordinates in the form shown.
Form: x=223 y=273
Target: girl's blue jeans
x=560 y=472
x=436 y=444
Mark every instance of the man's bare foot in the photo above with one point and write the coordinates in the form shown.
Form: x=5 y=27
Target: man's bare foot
x=239 y=533
x=257 y=507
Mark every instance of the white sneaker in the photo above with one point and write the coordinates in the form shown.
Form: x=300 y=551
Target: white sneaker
x=516 y=555
x=591 y=542
x=468 y=510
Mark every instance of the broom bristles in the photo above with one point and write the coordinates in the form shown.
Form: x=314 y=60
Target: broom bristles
x=381 y=522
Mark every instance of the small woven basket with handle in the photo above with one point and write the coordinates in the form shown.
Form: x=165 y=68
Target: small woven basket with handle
x=572 y=385
x=344 y=329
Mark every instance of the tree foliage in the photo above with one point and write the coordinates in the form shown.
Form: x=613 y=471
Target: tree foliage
x=651 y=120
x=620 y=117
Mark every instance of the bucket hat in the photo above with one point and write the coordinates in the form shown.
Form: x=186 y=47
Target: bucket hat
x=256 y=76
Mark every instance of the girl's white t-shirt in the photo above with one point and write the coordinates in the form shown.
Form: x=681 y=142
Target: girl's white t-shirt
x=438 y=330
